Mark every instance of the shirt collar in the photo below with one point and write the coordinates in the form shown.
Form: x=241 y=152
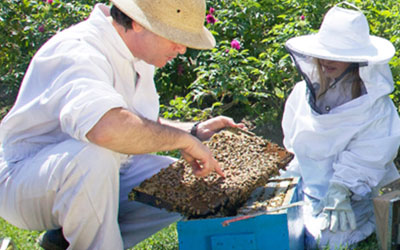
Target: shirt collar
x=99 y=18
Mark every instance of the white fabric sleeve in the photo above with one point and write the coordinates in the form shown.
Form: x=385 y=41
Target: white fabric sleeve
x=289 y=114
x=81 y=89
x=293 y=168
x=368 y=157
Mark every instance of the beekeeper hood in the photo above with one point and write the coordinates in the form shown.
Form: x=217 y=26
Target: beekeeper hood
x=344 y=36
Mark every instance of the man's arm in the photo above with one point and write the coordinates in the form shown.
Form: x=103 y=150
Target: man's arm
x=185 y=126
x=206 y=128
x=122 y=131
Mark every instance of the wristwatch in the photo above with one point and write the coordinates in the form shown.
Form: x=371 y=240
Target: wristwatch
x=193 y=131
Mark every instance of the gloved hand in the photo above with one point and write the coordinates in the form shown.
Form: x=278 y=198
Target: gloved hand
x=337 y=209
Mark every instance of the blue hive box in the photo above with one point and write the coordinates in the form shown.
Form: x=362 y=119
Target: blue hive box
x=273 y=231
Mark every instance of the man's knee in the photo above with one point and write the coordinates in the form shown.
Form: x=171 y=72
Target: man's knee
x=98 y=158
x=90 y=184
x=72 y=156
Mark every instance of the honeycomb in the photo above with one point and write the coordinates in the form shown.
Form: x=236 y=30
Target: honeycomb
x=248 y=161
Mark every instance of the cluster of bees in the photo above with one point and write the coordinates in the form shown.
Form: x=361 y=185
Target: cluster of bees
x=248 y=161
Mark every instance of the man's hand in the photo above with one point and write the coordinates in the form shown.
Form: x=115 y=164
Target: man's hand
x=337 y=211
x=207 y=128
x=201 y=159
x=125 y=132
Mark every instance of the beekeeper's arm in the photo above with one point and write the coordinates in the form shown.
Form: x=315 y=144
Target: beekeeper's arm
x=358 y=169
x=205 y=129
x=365 y=162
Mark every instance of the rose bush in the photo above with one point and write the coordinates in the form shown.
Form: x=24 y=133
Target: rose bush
x=247 y=75
x=24 y=27
x=254 y=79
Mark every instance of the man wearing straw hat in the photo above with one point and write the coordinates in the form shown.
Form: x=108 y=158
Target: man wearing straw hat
x=342 y=126
x=80 y=134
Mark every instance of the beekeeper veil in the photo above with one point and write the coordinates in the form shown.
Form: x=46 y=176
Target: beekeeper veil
x=344 y=36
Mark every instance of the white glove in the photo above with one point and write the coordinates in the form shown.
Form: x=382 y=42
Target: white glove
x=337 y=209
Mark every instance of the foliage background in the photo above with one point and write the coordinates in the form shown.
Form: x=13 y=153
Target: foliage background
x=252 y=82
x=255 y=81
x=249 y=83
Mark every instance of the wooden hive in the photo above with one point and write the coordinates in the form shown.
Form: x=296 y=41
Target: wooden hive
x=248 y=161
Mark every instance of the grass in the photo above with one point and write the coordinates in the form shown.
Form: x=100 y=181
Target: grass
x=23 y=239
x=166 y=239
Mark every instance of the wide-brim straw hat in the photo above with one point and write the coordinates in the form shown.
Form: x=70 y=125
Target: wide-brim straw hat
x=344 y=36
x=180 y=21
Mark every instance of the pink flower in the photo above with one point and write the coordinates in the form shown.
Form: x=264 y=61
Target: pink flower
x=210 y=19
x=302 y=17
x=180 y=69
x=211 y=11
x=235 y=44
x=41 y=28
x=50 y=1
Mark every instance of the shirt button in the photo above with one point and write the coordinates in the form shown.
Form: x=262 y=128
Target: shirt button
x=328 y=108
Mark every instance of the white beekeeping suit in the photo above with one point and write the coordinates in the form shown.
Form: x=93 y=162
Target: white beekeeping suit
x=73 y=80
x=344 y=147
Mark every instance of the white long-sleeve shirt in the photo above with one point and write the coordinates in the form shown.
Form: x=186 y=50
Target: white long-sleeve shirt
x=71 y=82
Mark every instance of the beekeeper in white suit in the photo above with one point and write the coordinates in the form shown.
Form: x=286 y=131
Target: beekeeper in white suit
x=341 y=126
x=86 y=118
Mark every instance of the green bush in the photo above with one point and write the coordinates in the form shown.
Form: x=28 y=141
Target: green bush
x=255 y=80
x=25 y=26
x=250 y=82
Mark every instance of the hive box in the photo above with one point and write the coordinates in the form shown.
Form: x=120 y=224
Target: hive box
x=276 y=231
x=387 y=215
